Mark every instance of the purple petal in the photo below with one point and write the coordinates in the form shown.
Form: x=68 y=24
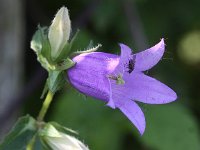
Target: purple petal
x=124 y=58
x=111 y=102
x=89 y=75
x=145 y=89
x=134 y=114
x=150 y=57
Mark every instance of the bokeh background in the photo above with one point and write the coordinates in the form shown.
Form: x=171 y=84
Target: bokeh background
x=139 y=24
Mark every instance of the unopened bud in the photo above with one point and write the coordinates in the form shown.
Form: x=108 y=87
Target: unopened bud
x=57 y=140
x=65 y=142
x=59 y=31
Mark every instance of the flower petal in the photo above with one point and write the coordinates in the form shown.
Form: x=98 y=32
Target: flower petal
x=150 y=57
x=124 y=58
x=145 y=89
x=89 y=75
x=110 y=102
x=134 y=114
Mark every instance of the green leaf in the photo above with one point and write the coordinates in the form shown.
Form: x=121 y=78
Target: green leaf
x=36 y=42
x=171 y=127
x=38 y=144
x=65 y=64
x=46 y=48
x=56 y=80
x=20 y=135
x=40 y=44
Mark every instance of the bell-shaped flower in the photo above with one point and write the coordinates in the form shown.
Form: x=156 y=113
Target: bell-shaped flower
x=120 y=81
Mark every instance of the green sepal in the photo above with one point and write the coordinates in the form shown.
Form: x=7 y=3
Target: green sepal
x=89 y=50
x=66 y=49
x=46 y=48
x=40 y=44
x=20 y=135
x=63 y=129
x=65 y=64
x=49 y=130
x=36 y=42
x=62 y=53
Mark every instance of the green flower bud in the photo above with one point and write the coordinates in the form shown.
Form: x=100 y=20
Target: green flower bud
x=59 y=32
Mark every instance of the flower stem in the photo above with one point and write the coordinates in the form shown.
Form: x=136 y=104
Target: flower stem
x=31 y=143
x=45 y=106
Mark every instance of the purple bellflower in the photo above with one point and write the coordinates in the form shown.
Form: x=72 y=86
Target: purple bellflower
x=120 y=81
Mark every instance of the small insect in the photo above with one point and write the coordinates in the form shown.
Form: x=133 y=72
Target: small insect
x=131 y=64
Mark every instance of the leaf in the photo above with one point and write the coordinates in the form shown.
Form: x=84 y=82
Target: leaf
x=40 y=44
x=171 y=127
x=20 y=135
x=36 y=42
x=38 y=144
x=56 y=80
x=65 y=64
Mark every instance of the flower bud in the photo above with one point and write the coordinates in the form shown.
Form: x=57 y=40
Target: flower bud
x=65 y=142
x=59 y=32
x=57 y=140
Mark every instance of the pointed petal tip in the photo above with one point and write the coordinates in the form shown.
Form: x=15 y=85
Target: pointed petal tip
x=173 y=96
x=170 y=96
x=162 y=43
x=122 y=46
x=111 y=104
x=148 y=58
x=162 y=40
x=134 y=113
x=125 y=51
x=160 y=46
x=141 y=131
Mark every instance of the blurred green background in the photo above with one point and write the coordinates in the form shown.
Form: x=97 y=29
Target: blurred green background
x=139 y=24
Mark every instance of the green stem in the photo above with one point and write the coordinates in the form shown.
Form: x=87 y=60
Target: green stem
x=45 y=106
x=31 y=143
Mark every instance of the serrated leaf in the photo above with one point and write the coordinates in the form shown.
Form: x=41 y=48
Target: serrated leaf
x=20 y=135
